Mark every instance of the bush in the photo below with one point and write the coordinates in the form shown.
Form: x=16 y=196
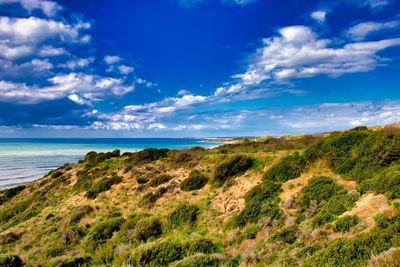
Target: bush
x=10 y=261
x=142 y=180
x=346 y=223
x=103 y=231
x=358 y=250
x=251 y=230
x=261 y=201
x=197 y=260
x=9 y=238
x=319 y=189
x=147 y=155
x=386 y=182
x=161 y=179
x=287 y=235
x=8 y=194
x=158 y=253
x=201 y=245
x=183 y=214
x=288 y=168
x=231 y=167
x=150 y=198
x=147 y=228
x=195 y=181
x=103 y=255
x=102 y=185
x=188 y=158
x=334 y=207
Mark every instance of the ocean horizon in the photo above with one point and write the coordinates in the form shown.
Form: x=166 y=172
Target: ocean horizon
x=23 y=160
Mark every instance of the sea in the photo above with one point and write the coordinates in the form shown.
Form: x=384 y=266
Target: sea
x=25 y=160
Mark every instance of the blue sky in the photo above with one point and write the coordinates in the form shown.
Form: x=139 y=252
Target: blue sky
x=172 y=68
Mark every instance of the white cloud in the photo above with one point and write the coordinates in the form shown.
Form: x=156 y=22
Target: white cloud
x=124 y=69
x=298 y=53
x=50 y=51
x=84 y=86
x=110 y=60
x=319 y=16
x=33 y=30
x=360 y=31
x=77 y=63
x=145 y=83
x=49 y=8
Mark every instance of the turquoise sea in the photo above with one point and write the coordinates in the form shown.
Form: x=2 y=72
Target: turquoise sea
x=25 y=160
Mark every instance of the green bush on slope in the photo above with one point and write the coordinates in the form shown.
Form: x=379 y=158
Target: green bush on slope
x=183 y=214
x=103 y=231
x=358 y=250
x=231 y=167
x=104 y=184
x=195 y=181
x=288 y=168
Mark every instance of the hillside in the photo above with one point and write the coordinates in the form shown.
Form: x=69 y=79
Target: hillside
x=313 y=200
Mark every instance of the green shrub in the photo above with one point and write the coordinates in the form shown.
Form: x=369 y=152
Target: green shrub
x=197 y=260
x=150 y=198
x=386 y=182
x=103 y=255
x=9 y=238
x=8 y=194
x=142 y=180
x=358 y=154
x=319 y=189
x=161 y=179
x=56 y=250
x=231 y=167
x=261 y=201
x=146 y=155
x=358 y=250
x=102 y=185
x=56 y=174
x=183 y=214
x=287 y=235
x=147 y=228
x=201 y=245
x=334 y=207
x=103 y=231
x=346 y=223
x=158 y=253
x=10 y=261
x=195 y=181
x=288 y=168
x=188 y=158
x=84 y=182
x=250 y=231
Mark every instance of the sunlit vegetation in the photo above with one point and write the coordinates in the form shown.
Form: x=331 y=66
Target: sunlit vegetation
x=266 y=202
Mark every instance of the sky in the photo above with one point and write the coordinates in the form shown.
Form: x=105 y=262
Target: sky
x=197 y=68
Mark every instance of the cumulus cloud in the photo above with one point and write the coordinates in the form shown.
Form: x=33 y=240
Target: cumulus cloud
x=86 y=87
x=299 y=53
x=33 y=30
x=77 y=63
x=362 y=30
x=124 y=69
x=110 y=60
x=50 y=51
x=319 y=16
x=49 y=8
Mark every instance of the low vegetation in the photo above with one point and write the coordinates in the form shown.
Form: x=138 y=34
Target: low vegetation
x=195 y=181
x=287 y=201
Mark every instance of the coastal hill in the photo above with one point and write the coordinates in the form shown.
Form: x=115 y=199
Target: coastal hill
x=309 y=200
